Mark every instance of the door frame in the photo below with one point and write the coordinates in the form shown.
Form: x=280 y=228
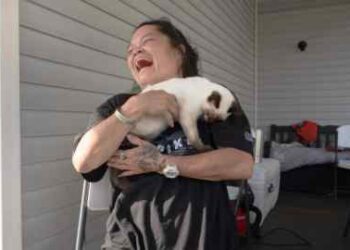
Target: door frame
x=10 y=145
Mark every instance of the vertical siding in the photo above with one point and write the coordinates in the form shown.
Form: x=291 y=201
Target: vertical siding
x=314 y=84
x=72 y=59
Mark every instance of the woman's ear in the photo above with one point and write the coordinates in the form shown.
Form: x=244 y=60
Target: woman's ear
x=180 y=58
x=182 y=49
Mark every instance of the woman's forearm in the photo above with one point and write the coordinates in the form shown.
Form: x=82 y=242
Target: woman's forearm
x=99 y=143
x=221 y=164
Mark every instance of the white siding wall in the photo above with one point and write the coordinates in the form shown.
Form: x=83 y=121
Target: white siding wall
x=72 y=59
x=314 y=84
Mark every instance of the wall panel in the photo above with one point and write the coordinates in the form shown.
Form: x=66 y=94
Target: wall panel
x=310 y=85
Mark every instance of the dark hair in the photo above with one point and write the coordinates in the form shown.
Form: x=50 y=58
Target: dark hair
x=190 y=56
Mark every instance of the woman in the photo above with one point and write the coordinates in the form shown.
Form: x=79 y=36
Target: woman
x=190 y=210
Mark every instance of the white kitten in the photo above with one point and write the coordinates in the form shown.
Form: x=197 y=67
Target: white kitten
x=196 y=96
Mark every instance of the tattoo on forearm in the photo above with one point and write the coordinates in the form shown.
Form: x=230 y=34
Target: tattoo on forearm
x=149 y=158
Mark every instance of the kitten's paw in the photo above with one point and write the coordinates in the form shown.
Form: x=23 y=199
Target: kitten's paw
x=201 y=147
x=205 y=148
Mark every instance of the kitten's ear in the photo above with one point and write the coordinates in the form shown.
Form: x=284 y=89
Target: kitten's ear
x=215 y=99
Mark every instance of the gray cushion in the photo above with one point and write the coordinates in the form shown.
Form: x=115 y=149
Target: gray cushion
x=295 y=155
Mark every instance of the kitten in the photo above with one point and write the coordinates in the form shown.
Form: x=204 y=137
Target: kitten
x=196 y=96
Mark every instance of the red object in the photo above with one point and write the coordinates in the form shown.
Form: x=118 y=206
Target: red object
x=241 y=222
x=307 y=131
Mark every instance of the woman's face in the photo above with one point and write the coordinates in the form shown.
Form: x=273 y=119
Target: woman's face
x=151 y=57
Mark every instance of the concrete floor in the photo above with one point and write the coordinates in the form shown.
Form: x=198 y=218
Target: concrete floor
x=318 y=219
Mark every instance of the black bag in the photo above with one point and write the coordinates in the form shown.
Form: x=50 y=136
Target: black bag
x=246 y=204
x=246 y=198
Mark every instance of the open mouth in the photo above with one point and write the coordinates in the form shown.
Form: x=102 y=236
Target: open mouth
x=142 y=63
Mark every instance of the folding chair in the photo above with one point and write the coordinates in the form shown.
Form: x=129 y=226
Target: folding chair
x=343 y=142
x=95 y=196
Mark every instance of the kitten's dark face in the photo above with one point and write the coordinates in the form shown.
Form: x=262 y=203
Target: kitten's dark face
x=235 y=108
x=215 y=99
x=219 y=106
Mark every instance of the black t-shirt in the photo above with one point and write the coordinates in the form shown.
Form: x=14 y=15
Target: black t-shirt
x=155 y=212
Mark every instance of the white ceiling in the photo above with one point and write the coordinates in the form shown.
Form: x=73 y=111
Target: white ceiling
x=266 y=6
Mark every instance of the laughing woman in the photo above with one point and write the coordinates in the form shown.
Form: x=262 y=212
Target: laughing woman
x=172 y=197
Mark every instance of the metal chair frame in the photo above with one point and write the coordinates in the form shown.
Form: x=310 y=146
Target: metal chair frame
x=95 y=196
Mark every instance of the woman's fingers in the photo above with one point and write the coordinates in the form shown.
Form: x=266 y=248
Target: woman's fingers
x=121 y=165
x=159 y=102
x=135 y=140
x=173 y=107
x=127 y=159
x=169 y=119
x=128 y=167
x=129 y=173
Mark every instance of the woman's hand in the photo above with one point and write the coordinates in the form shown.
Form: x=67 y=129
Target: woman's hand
x=154 y=103
x=144 y=158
